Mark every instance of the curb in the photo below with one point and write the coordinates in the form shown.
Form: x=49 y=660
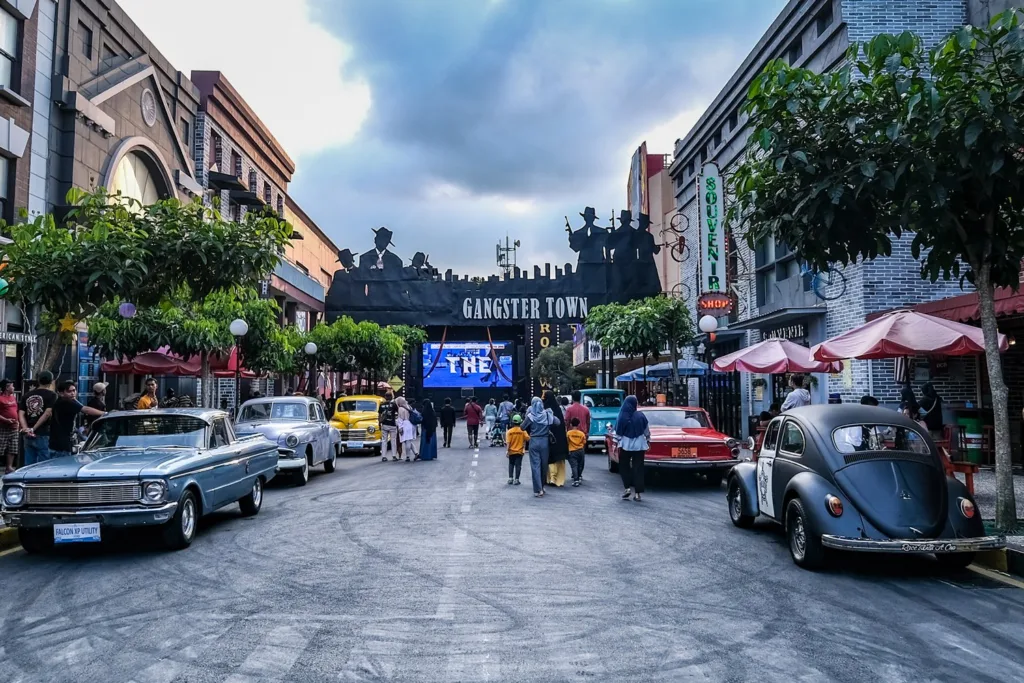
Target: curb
x=8 y=538
x=1006 y=560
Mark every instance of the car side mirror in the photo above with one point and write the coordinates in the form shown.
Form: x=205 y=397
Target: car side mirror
x=750 y=443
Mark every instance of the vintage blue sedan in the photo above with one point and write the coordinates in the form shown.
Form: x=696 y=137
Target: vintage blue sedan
x=298 y=426
x=152 y=468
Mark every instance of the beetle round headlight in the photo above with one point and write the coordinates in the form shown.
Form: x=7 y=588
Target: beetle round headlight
x=371 y=429
x=154 y=492
x=834 y=505
x=967 y=508
x=731 y=443
x=291 y=441
x=14 y=495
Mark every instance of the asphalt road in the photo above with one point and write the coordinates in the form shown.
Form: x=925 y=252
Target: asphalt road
x=439 y=571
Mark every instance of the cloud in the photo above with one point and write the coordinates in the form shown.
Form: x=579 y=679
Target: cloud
x=291 y=71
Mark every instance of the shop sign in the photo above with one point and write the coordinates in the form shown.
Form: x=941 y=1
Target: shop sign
x=17 y=338
x=715 y=303
x=526 y=308
x=711 y=210
x=797 y=331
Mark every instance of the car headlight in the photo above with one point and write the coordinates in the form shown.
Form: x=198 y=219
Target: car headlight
x=154 y=492
x=731 y=444
x=291 y=441
x=608 y=427
x=14 y=495
x=371 y=429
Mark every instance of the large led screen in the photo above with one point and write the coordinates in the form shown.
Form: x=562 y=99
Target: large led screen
x=458 y=365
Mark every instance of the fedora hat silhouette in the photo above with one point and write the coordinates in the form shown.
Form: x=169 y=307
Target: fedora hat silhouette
x=384 y=232
x=589 y=212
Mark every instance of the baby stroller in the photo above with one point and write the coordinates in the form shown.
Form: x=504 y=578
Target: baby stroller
x=497 y=435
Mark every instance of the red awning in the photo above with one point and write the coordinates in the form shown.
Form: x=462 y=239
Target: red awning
x=162 y=363
x=965 y=308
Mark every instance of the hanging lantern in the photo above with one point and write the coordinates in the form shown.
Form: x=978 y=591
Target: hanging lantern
x=4 y=286
x=127 y=310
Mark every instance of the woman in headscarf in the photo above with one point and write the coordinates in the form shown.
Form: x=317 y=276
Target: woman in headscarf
x=538 y=423
x=559 y=444
x=931 y=411
x=406 y=429
x=632 y=433
x=908 y=403
x=428 y=431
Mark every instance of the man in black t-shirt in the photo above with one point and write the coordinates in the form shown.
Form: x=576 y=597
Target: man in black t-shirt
x=388 y=415
x=65 y=410
x=34 y=414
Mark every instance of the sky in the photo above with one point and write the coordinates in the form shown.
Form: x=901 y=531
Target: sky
x=458 y=122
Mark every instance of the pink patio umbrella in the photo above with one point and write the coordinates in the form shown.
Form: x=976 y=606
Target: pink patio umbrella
x=774 y=356
x=905 y=333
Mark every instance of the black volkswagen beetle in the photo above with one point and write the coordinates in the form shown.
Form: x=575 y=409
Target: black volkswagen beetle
x=852 y=477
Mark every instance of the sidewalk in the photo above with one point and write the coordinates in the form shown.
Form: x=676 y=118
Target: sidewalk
x=985 y=497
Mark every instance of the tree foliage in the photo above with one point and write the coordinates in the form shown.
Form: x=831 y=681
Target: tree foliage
x=411 y=336
x=632 y=329
x=553 y=368
x=898 y=143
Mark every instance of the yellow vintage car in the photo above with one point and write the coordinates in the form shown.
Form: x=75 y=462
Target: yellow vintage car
x=356 y=417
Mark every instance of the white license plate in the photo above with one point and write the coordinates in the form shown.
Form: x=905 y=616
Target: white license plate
x=76 y=533
x=353 y=444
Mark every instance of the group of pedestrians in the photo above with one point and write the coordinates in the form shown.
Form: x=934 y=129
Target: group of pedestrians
x=555 y=437
x=400 y=422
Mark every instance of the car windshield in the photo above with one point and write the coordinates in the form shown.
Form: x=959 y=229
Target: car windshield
x=147 y=430
x=693 y=419
x=870 y=437
x=273 y=410
x=602 y=400
x=347 y=406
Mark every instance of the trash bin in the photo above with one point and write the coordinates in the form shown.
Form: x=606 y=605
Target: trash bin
x=973 y=439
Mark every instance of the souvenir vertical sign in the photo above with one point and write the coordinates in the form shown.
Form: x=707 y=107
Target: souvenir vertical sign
x=711 y=206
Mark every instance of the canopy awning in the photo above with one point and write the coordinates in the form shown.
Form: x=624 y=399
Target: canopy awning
x=687 y=367
x=773 y=356
x=965 y=307
x=163 y=363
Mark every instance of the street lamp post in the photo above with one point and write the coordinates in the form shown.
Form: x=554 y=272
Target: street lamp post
x=239 y=328
x=310 y=349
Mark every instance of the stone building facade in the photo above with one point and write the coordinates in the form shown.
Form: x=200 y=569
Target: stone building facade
x=773 y=297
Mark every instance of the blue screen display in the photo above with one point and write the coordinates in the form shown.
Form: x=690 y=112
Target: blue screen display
x=467 y=365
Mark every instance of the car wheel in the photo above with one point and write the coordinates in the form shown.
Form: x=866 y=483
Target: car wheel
x=804 y=546
x=36 y=540
x=715 y=479
x=331 y=463
x=735 y=499
x=302 y=476
x=252 y=501
x=179 y=532
x=955 y=561
x=612 y=465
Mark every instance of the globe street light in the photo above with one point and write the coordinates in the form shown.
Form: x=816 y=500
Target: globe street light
x=310 y=349
x=238 y=328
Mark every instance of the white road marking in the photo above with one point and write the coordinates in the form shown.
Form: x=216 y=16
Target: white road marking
x=274 y=657
x=466 y=506
x=476 y=455
x=475 y=463
x=447 y=601
x=470 y=486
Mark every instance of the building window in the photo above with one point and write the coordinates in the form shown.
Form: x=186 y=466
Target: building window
x=734 y=122
x=824 y=19
x=689 y=169
x=280 y=206
x=186 y=133
x=716 y=141
x=236 y=164
x=217 y=152
x=108 y=54
x=301 y=267
x=795 y=51
x=703 y=156
x=8 y=50
x=266 y=193
x=5 y=189
x=85 y=33
x=253 y=181
x=236 y=212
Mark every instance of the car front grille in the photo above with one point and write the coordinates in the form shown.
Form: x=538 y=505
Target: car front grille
x=82 y=494
x=353 y=435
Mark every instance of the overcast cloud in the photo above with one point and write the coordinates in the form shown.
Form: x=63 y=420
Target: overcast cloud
x=455 y=122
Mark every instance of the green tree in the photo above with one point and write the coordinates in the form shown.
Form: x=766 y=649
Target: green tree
x=553 y=367
x=112 y=248
x=899 y=142
x=675 y=324
x=633 y=329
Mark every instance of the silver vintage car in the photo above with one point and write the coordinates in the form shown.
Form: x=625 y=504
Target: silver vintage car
x=150 y=468
x=298 y=426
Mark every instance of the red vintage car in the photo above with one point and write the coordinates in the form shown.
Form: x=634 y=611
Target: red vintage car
x=682 y=439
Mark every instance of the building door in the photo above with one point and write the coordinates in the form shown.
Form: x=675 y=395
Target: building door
x=721 y=395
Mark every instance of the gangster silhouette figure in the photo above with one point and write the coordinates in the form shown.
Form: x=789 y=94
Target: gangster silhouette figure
x=590 y=240
x=380 y=258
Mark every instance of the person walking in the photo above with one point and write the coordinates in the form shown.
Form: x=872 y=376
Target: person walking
x=505 y=410
x=577 y=447
x=538 y=423
x=931 y=411
x=406 y=428
x=10 y=427
x=65 y=410
x=447 y=422
x=515 y=440
x=474 y=416
x=799 y=396
x=559 y=452
x=579 y=412
x=34 y=413
x=387 y=414
x=633 y=434
x=428 y=431
x=490 y=417
x=148 y=400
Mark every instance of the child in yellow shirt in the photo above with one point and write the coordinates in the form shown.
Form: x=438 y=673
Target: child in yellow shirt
x=577 y=450
x=516 y=439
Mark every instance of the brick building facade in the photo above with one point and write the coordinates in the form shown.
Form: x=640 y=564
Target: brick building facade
x=773 y=297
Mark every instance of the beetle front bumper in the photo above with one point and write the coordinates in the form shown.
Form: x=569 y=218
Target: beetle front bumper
x=935 y=546
x=134 y=515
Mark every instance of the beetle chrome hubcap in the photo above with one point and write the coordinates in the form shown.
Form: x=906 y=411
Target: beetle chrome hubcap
x=257 y=492
x=799 y=537
x=188 y=519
